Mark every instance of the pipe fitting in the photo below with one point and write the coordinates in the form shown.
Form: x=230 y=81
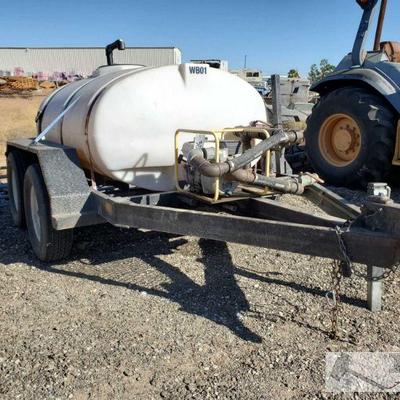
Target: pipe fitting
x=206 y=168
x=247 y=176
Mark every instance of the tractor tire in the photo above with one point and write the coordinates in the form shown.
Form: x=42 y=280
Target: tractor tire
x=47 y=243
x=350 y=137
x=16 y=167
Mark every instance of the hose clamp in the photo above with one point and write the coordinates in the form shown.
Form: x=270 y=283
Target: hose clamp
x=231 y=165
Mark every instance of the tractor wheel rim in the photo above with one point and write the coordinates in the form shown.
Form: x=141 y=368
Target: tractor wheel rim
x=35 y=213
x=14 y=190
x=340 y=140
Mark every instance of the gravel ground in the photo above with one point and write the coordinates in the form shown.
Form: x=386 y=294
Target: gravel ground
x=144 y=315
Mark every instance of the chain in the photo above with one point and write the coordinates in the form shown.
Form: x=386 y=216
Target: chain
x=348 y=269
x=345 y=268
x=388 y=273
x=336 y=305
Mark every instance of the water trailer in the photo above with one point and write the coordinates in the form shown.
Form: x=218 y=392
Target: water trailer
x=185 y=150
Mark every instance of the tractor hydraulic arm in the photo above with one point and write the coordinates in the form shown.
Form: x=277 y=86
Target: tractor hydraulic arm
x=367 y=4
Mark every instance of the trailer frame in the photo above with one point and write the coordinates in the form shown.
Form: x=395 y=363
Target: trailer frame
x=372 y=238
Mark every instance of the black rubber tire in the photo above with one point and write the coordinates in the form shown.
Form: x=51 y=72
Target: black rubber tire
x=50 y=244
x=16 y=167
x=378 y=134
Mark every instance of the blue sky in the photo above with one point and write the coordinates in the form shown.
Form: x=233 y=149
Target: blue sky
x=276 y=35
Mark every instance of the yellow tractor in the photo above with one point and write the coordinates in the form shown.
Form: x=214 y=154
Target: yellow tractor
x=352 y=135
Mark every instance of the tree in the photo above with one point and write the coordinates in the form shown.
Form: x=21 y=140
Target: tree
x=326 y=68
x=293 y=73
x=317 y=73
x=314 y=74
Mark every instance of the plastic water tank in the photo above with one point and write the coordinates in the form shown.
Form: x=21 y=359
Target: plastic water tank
x=124 y=121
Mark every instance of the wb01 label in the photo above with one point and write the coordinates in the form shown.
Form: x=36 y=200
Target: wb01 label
x=198 y=70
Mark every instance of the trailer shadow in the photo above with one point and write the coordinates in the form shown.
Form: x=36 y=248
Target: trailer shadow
x=220 y=299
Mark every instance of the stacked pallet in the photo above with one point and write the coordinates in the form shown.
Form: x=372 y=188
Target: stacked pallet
x=14 y=84
x=47 y=85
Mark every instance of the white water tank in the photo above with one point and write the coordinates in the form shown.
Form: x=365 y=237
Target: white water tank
x=124 y=121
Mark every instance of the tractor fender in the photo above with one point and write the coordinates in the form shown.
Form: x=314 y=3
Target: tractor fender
x=361 y=77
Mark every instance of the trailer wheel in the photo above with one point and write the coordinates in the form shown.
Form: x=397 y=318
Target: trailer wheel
x=48 y=244
x=350 y=137
x=16 y=167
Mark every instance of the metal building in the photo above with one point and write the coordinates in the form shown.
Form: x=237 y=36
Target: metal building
x=79 y=60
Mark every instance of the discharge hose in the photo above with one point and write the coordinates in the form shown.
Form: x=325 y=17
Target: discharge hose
x=214 y=170
x=283 y=184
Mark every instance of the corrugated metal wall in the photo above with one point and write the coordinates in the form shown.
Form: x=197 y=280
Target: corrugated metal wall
x=82 y=60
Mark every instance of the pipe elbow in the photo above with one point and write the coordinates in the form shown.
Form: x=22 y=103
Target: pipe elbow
x=206 y=168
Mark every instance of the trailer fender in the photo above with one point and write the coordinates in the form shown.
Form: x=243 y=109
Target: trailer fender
x=71 y=201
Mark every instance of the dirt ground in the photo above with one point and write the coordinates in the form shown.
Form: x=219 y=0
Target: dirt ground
x=142 y=315
x=17 y=117
x=145 y=315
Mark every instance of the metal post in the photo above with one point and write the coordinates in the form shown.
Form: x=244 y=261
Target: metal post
x=378 y=35
x=277 y=116
x=276 y=101
x=279 y=164
x=375 y=288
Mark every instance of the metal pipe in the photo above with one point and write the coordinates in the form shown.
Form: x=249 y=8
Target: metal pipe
x=118 y=44
x=287 y=184
x=381 y=19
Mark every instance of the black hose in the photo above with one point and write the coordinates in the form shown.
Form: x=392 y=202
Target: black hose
x=247 y=176
x=214 y=170
x=248 y=156
x=284 y=184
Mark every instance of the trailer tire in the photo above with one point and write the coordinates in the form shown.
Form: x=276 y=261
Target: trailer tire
x=356 y=118
x=16 y=167
x=48 y=244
